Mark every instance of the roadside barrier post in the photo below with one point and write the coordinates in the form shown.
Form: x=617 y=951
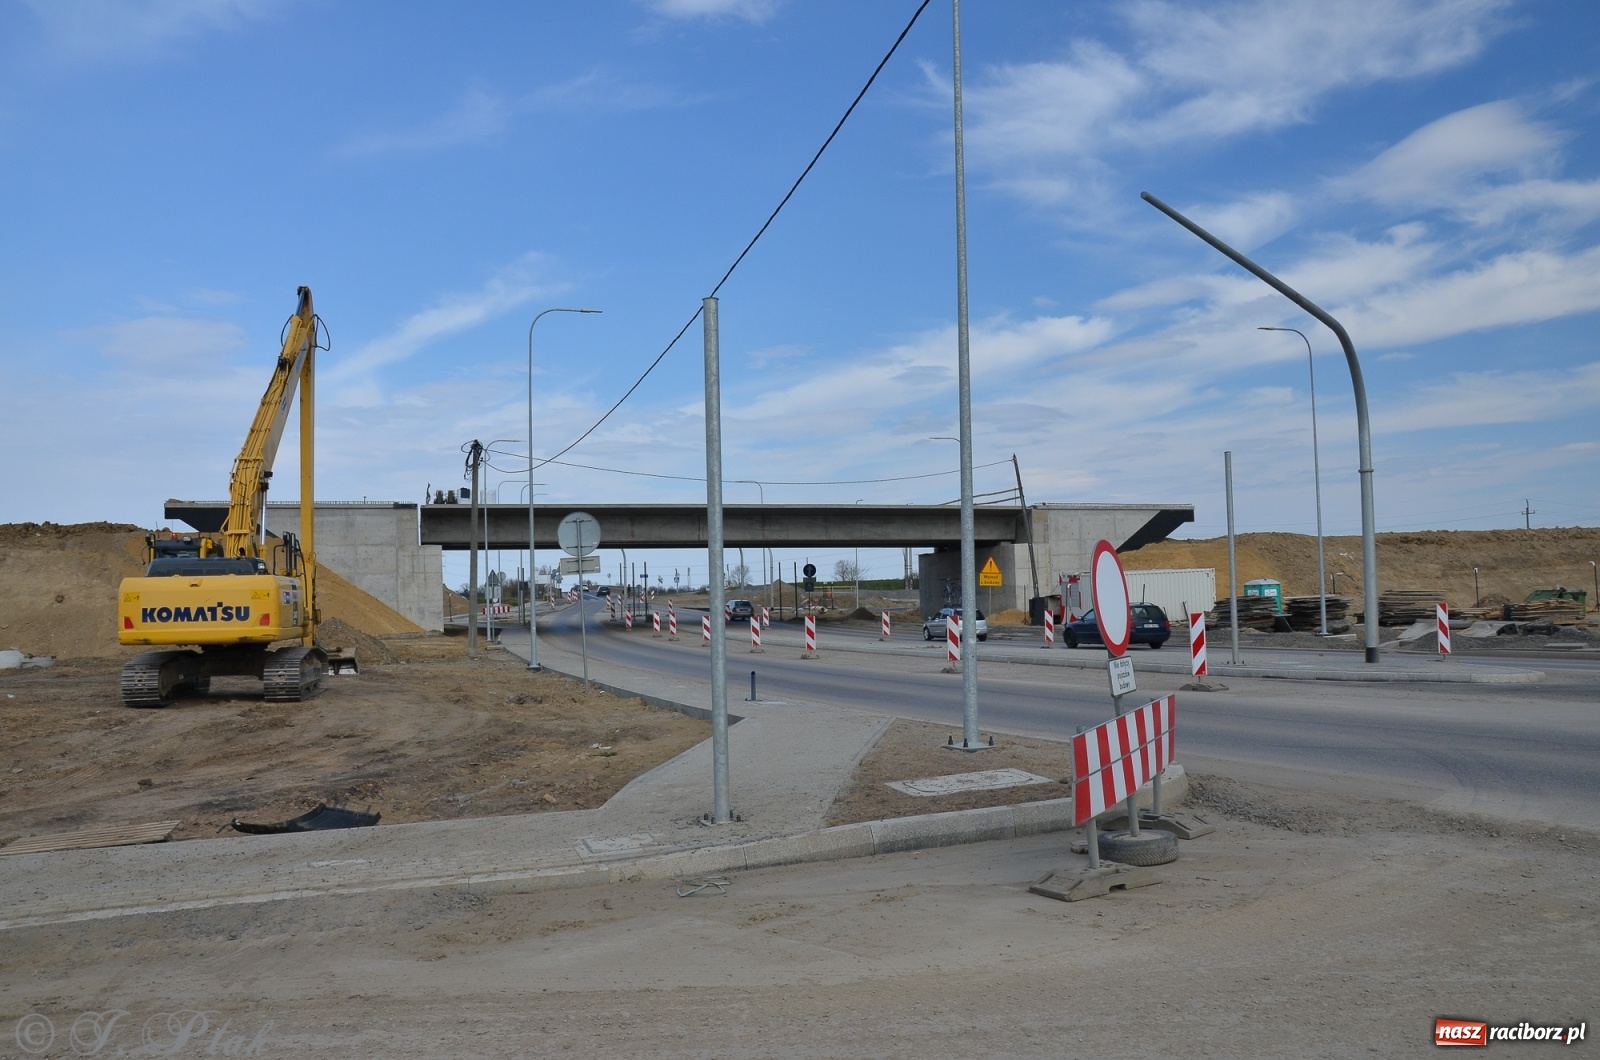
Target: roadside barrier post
x=1197 y=643
x=705 y=631
x=755 y=634
x=1049 y=628
x=1443 y=610
x=672 y=624
x=885 y=626
x=766 y=617
x=952 y=640
x=627 y=619
x=655 y=623
x=810 y=651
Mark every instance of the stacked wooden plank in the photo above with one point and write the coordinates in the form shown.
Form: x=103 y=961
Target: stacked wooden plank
x=1255 y=612
x=1561 y=612
x=1401 y=607
x=111 y=835
x=1305 y=612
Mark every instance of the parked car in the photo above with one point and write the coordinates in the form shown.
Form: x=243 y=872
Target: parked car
x=1150 y=626
x=934 y=628
x=737 y=609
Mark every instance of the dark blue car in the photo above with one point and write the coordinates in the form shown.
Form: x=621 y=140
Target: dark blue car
x=1150 y=626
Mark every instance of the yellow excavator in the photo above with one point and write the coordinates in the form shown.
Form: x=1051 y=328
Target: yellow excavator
x=237 y=604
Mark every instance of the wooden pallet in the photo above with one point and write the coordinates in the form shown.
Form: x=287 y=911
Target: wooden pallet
x=111 y=835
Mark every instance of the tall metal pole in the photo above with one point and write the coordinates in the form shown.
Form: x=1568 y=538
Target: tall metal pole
x=969 y=579
x=1027 y=525
x=1233 y=578
x=721 y=813
x=533 y=604
x=1369 y=533
x=474 y=455
x=1316 y=477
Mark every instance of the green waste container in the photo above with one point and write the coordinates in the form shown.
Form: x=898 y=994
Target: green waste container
x=1266 y=587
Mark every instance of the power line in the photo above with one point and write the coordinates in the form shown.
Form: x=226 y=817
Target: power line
x=748 y=246
x=764 y=482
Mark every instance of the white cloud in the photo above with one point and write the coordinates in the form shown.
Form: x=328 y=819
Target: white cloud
x=478 y=116
x=749 y=10
x=513 y=286
x=167 y=341
x=96 y=28
x=1486 y=399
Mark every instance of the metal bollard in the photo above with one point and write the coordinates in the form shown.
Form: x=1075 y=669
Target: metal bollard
x=752 y=686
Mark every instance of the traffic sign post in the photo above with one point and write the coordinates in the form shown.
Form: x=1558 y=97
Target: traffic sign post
x=578 y=534
x=1114 y=615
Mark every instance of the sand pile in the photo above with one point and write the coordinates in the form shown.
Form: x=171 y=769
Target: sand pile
x=336 y=633
x=338 y=598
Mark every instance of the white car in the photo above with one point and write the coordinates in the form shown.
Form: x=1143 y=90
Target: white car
x=934 y=628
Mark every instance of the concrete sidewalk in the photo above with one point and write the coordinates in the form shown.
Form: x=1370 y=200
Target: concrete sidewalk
x=788 y=761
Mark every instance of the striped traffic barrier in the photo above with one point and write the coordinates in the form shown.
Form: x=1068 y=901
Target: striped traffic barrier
x=1444 y=628
x=1116 y=758
x=655 y=623
x=672 y=624
x=1197 y=643
x=811 y=638
x=766 y=617
x=885 y=635
x=496 y=609
x=1049 y=627
x=755 y=633
x=705 y=631
x=952 y=639
x=627 y=619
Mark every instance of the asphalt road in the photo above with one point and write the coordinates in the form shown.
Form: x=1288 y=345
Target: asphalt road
x=1521 y=751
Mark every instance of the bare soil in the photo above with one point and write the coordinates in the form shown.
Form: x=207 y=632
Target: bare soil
x=431 y=736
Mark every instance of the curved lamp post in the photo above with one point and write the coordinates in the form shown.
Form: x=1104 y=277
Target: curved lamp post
x=1316 y=475
x=533 y=610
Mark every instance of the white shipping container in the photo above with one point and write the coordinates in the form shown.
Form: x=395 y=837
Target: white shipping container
x=1174 y=591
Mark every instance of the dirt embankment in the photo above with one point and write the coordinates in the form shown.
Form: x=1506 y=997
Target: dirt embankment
x=1510 y=563
x=58 y=590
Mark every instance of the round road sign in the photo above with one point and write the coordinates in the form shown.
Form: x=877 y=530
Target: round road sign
x=809 y=570
x=578 y=534
x=1111 y=611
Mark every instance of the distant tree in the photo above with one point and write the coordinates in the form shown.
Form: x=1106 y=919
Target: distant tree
x=740 y=575
x=846 y=571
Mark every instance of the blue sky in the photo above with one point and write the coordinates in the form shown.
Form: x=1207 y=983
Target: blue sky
x=1426 y=170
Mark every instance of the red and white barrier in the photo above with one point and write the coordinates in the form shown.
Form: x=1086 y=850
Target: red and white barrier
x=496 y=609
x=1444 y=627
x=952 y=639
x=1049 y=628
x=672 y=624
x=886 y=626
x=811 y=635
x=627 y=619
x=1118 y=757
x=655 y=623
x=1197 y=643
x=1072 y=597
x=766 y=617
x=705 y=630
x=755 y=633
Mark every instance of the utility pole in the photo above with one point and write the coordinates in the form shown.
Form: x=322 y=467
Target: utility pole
x=474 y=459
x=1527 y=514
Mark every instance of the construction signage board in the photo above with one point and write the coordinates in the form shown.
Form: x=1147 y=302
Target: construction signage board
x=989 y=577
x=1118 y=757
x=1121 y=669
x=571 y=565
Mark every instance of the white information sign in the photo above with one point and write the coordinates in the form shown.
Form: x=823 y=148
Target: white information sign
x=1121 y=670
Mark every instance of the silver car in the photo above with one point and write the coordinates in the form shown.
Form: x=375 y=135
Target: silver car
x=934 y=628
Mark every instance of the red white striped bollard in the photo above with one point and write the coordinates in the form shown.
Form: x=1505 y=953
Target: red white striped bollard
x=885 y=626
x=705 y=631
x=811 y=638
x=1197 y=643
x=952 y=640
x=755 y=633
x=1049 y=627
x=1444 y=628
x=672 y=624
x=655 y=623
x=627 y=619
x=766 y=617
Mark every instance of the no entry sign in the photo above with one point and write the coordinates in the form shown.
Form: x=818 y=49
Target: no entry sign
x=1111 y=611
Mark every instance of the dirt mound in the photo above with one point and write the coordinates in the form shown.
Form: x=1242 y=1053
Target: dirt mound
x=337 y=633
x=1011 y=616
x=1510 y=563
x=22 y=533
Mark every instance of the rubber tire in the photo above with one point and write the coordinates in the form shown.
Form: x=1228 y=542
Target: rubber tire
x=1155 y=645
x=1070 y=639
x=983 y=636
x=1148 y=848
x=926 y=633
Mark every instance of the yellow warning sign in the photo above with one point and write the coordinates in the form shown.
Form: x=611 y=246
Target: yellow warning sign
x=989 y=576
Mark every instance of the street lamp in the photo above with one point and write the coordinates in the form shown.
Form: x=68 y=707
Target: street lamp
x=533 y=611
x=1316 y=474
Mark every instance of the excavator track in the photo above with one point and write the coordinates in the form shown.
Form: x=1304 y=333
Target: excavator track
x=293 y=674
x=141 y=680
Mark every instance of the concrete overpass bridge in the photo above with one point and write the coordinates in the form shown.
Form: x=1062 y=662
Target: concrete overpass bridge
x=392 y=549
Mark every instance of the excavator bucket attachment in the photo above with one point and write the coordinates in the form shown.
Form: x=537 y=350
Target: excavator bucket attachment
x=341 y=661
